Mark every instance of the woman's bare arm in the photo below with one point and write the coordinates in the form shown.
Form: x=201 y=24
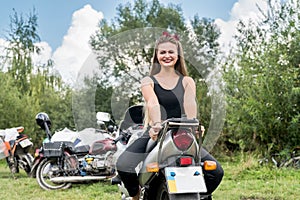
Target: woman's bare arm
x=151 y=100
x=189 y=102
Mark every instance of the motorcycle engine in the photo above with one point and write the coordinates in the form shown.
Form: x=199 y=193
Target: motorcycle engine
x=92 y=162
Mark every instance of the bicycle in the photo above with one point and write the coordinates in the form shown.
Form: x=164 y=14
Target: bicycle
x=280 y=160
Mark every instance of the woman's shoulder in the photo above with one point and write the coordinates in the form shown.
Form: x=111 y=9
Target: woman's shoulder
x=187 y=80
x=147 y=80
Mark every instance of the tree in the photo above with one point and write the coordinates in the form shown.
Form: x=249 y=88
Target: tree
x=27 y=88
x=125 y=46
x=22 y=36
x=263 y=80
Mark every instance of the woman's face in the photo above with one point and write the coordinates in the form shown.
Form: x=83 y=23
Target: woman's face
x=167 y=54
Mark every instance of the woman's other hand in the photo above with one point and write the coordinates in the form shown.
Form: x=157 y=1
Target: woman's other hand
x=154 y=130
x=202 y=131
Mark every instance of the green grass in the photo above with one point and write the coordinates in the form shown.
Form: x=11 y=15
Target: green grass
x=24 y=187
x=243 y=180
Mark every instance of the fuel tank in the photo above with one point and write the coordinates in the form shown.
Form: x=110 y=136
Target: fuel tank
x=103 y=146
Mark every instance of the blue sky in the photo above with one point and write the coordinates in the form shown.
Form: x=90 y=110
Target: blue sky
x=65 y=26
x=55 y=16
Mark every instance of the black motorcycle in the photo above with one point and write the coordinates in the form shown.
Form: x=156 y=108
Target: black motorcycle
x=58 y=164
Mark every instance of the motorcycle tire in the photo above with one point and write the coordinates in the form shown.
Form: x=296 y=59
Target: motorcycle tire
x=44 y=173
x=12 y=164
x=25 y=162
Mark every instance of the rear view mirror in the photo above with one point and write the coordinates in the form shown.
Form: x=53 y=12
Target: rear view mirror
x=103 y=116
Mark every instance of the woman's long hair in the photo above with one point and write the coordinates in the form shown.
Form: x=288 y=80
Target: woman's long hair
x=180 y=66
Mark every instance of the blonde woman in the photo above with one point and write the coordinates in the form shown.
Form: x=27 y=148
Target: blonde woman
x=168 y=92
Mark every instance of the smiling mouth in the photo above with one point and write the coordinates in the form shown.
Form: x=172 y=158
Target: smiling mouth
x=167 y=61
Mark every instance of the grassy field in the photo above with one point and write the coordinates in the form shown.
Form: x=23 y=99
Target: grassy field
x=244 y=179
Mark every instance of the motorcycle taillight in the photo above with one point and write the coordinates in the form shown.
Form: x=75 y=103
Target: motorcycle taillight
x=185 y=161
x=183 y=139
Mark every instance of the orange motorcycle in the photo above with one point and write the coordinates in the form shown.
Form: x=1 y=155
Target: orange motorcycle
x=14 y=147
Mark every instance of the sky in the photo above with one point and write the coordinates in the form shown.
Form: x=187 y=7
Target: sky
x=64 y=26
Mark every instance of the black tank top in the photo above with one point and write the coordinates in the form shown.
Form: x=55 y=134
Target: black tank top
x=171 y=101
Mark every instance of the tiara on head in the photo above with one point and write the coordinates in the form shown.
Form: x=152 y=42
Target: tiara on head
x=165 y=33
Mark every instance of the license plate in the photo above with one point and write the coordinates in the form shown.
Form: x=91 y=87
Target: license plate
x=25 y=143
x=185 y=180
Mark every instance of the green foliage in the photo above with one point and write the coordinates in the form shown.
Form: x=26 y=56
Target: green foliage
x=245 y=179
x=27 y=89
x=22 y=36
x=262 y=77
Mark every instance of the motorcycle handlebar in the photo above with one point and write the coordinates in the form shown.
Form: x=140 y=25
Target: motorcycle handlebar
x=121 y=136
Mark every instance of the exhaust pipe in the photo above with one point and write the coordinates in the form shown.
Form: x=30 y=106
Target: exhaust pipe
x=76 y=179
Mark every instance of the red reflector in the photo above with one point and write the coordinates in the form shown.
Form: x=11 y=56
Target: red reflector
x=184 y=161
x=182 y=139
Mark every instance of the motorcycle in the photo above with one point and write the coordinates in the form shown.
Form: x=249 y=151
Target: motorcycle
x=58 y=164
x=173 y=167
x=14 y=147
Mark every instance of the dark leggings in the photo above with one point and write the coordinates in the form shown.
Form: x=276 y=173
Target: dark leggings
x=135 y=153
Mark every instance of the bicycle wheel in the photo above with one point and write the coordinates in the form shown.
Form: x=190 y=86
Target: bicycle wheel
x=293 y=162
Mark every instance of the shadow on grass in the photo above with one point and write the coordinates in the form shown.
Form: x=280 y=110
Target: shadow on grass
x=8 y=175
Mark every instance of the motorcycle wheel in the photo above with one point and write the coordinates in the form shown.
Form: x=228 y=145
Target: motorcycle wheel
x=163 y=194
x=43 y=174
x=25 y=162
x=12 y=164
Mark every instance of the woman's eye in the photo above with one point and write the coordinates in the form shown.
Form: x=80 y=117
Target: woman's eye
x=164 y=52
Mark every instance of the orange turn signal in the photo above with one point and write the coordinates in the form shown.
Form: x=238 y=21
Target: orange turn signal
x=152 y=167
x=210 y=165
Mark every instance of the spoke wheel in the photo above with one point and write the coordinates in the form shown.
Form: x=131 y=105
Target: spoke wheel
x=46 y=170
x=293 y=162
x=25 y=162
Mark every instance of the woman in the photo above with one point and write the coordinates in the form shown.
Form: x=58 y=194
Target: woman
x=168 y=92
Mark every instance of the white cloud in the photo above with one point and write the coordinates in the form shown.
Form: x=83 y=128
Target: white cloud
x=75 y=49
x=2 y=47
x=38 y=59
x=241 y=10
x=3 y=43
x=44 y=55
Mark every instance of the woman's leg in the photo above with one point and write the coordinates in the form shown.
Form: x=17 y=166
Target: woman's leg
x=212 y=178
x=127 y=163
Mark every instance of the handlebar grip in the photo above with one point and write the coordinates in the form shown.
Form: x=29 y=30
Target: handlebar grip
x=121 y=136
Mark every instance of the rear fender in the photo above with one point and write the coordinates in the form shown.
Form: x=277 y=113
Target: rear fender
x=36 y=162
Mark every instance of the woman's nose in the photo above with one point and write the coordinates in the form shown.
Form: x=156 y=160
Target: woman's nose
x=167 y=55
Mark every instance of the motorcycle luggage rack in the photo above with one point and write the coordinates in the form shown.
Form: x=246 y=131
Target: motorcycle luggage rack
x=182 y=124
x=55 y=149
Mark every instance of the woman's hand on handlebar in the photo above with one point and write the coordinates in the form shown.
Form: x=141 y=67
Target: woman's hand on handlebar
x=154 y=130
